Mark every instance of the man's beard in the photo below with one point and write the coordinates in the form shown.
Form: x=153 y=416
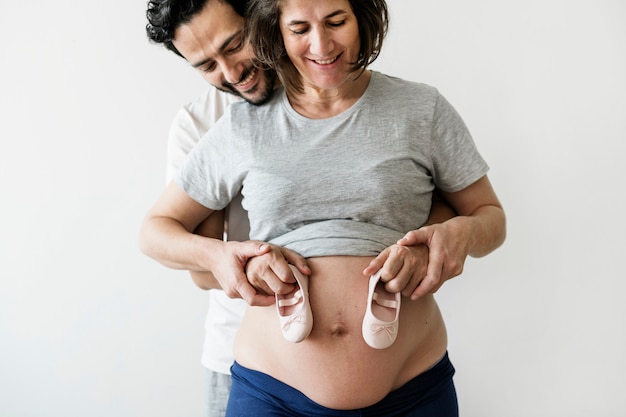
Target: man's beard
x=259 y=97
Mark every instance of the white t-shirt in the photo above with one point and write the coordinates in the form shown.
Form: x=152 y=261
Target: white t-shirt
x=224 y=314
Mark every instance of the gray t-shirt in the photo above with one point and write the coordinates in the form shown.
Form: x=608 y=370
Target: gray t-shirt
x=351 y=184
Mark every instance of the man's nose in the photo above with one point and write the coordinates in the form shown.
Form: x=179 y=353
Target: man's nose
x=232 y=71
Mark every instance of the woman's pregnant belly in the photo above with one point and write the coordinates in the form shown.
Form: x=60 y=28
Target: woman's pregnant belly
x=334 y=366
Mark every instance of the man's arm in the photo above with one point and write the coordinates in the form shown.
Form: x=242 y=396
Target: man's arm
x=188 y=127
x=190 y=124
x=212 y=227
x=440 y=211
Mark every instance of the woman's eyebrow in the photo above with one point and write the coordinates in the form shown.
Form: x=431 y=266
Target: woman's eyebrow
x=300 y=22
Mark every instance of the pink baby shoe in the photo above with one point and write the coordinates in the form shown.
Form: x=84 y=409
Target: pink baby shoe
x=380 y=323
x=294 y=311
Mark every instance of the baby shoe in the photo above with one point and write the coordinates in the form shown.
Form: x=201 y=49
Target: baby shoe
x=294 y=310
x=380 y=323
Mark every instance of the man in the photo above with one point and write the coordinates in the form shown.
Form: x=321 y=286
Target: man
x=209 y=35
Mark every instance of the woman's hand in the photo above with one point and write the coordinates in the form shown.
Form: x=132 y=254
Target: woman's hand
x=403 y=267
x=270 y=274
x=422 y=260
x=479 y=229
x=448 y=249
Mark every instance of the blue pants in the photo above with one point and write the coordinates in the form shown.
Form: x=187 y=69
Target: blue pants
x=430 y=394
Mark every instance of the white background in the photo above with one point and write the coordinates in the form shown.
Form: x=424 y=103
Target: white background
x=91 y=327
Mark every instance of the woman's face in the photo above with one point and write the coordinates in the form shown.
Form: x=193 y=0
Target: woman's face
x=321 y=39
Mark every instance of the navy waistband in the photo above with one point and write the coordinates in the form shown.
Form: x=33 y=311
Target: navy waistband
x=279 y=395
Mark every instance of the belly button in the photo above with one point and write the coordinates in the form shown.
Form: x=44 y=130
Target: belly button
x=338 y=329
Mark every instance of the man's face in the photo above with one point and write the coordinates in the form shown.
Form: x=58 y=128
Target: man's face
x=213 y=43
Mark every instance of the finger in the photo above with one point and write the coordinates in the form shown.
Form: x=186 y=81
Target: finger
x=270 y=279
x=434 y=271
x=296 y=260
x=250 y=249
x=280 y=278
x=392 y=268
x=413 y=271
x=262 y=287
x=408 y=264
x=397 y=271
x=426 y=286
x=415 y=237
x=258 y=277
x=415 y=274
x=262 y=300
x=399 y=281
x=267 y=283
x=400 y=258
x=377 y=263
x=263 y=249
x=303 y=267
x=248 y=293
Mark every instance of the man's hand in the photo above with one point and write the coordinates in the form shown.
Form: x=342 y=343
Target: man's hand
x=448 y=249
x=423 y=259
x=270 y=274
x=229 y=270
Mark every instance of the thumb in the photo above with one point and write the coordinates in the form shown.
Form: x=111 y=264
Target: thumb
x=415 y=237
x=251 y=249
x=255 y=299
x=249 y=294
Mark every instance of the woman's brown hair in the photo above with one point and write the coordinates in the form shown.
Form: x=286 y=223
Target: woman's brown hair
x=263 y=31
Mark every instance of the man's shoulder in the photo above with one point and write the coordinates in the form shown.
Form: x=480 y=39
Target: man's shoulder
x=192 y=121
x=199 y=115
x=266 y=111
x=212 y=101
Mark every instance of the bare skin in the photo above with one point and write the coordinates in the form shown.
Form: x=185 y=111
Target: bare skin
x=333 y=366
x=211 y=43
x=328 y=363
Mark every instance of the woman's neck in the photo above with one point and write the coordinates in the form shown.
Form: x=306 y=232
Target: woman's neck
x=317 y=103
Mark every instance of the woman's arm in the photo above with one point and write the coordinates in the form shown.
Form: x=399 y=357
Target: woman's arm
x=479 y=229
x=427 y=257
x=482 y=214
x=405 y=266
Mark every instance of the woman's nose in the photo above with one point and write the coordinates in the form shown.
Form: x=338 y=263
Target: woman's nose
x=321 y=42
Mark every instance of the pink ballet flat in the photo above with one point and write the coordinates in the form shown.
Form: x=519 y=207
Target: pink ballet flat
x=380 y=323
x=294 y=311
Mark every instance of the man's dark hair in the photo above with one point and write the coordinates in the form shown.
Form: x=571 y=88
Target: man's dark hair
x=165 y=16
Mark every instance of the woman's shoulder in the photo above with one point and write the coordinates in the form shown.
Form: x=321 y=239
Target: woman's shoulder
x=390 y=82
x=399 y=90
